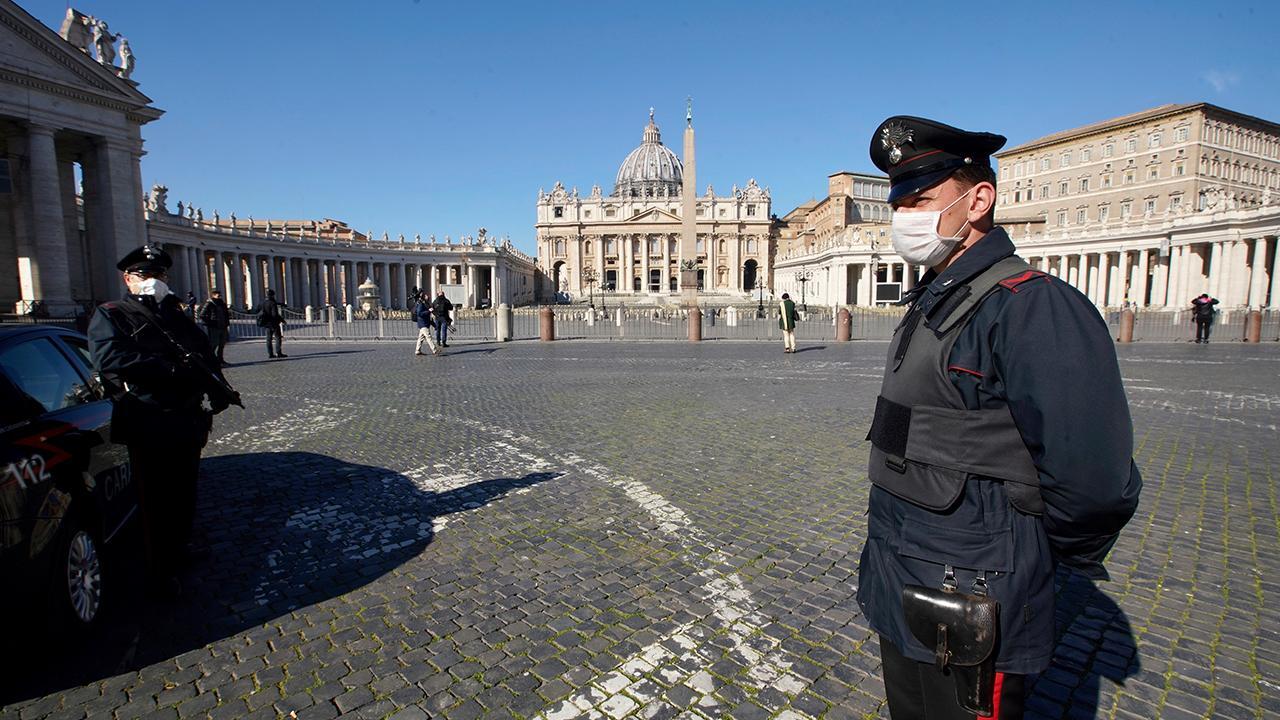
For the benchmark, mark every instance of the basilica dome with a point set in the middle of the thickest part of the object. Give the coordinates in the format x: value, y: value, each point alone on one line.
x: 651, y: 170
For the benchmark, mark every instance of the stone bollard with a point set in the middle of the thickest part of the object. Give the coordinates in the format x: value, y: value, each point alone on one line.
x: 844, y: 325
x: 331, y: 314
x: 1126, y: 325
x: 309, y: 314
x: 591, y: 317
x: 351, y: 314
x: 503, y: 320
x: 1253, y: 326
x: 695, y: 324
x: 382, y: 322
x: 546, y: 324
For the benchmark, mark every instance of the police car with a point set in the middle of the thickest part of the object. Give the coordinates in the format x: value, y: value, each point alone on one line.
x: 65, y: 488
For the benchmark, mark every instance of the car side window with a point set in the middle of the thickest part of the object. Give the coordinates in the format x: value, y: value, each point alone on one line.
x: 80, y: 349
x: 40, y: 370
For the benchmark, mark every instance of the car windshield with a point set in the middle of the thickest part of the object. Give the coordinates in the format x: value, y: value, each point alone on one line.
x: 41, y: 371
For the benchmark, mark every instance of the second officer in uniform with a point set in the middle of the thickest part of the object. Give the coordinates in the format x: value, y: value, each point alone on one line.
x: 161, y: 369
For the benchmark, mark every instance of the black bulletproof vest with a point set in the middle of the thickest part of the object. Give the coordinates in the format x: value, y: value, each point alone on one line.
x: 925, y: 444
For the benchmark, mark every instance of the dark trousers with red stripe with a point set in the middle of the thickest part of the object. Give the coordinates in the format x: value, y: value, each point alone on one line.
x: 917, y: 691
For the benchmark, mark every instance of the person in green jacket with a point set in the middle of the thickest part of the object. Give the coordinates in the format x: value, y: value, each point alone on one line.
x: 787, y: 322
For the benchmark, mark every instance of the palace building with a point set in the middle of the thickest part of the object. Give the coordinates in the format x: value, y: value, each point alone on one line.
x: 1148, y: 209
x: 629, y: 241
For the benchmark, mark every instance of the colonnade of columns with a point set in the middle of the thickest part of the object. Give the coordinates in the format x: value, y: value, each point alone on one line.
x: 1239, y: 272
x: 244, y: 278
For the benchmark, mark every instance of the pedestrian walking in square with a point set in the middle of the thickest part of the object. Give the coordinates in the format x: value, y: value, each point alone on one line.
x: 272, y: 318
x: 1202, y: 313
x: 787, y: 319
x: 426, y: 324
x: 216, y: 319
x: 441, y: 308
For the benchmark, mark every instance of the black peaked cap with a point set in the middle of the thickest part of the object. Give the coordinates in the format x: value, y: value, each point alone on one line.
x: 918, y: 153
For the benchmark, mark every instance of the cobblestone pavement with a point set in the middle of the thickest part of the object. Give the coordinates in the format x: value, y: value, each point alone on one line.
x: 647, y: 530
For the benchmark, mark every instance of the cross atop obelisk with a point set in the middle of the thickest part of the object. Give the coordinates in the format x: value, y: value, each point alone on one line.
x: 689, y: 218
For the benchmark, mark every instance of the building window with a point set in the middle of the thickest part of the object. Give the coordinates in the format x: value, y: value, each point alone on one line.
x: 1084, y: 184
x: 1044, y: 163
x: 1062, y: 218
x: 1104, y: 212
x: 1065, y: 160
x: 700, y: 245
x: 559, y: 211
x: 1082, y: 215
x: 1084, y: 155
x: 1017, y: 196
x: 1044, y: 192
x: 1004, y: 198
x: 1106, y: 181
x: 609, y: 247
x: 559, y: 248
x: 702, y: 212
x: 1175, y: 202
x: 1062, y: 188
x: 1126, y: 209
x: 1149, y: 206
x: 1179, y: 169
x: 1153, y: 173
x: 1108, y: 150
x: 1131, y: 145
x: 1154, y: 140
x: 1181, y: 134
x: 751, y: 211
x: 751, y: 245
x: 1129, y: 177
x: 610, y: 212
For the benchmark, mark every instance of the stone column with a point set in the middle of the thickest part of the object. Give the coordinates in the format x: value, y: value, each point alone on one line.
x: 49, y: 278
x: 1275, y: 273
x: 599, y: 245
x: 1160, y: 281
x: 644, y: 264
x: 237, y: 283
x: 1258, y: 286
x: 1238, y: 291
x: 255, y: 280
x: 1104, y: 271
x: 1124, y: 287
x: 736, y: 264
x: 1215, y: 269
x: 1139, y: 294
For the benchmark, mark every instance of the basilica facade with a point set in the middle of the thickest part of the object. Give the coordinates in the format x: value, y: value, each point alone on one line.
x: 630, y: 241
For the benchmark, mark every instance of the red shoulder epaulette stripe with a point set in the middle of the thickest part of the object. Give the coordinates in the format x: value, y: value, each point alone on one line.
x: 1012, y: 283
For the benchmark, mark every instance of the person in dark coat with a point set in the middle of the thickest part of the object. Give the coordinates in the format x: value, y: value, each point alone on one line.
x: 422, y: 315
x: 787, y: 319
x: 1203, y: 312
x: 440, y: 308
x: 272, y: 318
x: 137, y: 345
x: 1001, y: 446
x: 216, y: 319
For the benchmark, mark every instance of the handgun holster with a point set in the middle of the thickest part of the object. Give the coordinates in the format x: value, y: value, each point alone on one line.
x: 961, y: 628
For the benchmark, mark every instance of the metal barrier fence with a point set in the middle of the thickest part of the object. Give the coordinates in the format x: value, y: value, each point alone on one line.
x: 577, y: 322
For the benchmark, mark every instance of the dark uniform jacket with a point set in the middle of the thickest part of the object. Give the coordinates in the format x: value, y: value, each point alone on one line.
x: 1042, y: 350
x: 215, y: 313
x: 1202, y: 309
x: 164, y: 398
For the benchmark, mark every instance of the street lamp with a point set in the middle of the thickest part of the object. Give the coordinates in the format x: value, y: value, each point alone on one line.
x: 589, y: 276
x: 803, y: 276
x: 760, y: 306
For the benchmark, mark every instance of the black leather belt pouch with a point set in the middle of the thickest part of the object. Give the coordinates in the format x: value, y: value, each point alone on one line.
x: 961, y: 628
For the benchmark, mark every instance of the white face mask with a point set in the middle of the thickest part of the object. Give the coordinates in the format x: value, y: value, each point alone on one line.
x: 154, y: 286
x: 916, y: 238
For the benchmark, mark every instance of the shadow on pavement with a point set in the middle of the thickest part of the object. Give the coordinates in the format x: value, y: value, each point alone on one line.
x: 284, y: 530
x: 294, y: 356
x: 1095, y: 643
x: 807, y: 348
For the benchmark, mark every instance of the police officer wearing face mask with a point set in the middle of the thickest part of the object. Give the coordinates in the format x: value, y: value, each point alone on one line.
x: 1001, y: 443
x: 158, y: 367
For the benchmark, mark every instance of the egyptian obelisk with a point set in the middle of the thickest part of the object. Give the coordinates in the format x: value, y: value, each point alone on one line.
x: 689, y: 219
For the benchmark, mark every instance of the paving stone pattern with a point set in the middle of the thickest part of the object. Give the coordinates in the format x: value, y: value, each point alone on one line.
x: 648, y: 530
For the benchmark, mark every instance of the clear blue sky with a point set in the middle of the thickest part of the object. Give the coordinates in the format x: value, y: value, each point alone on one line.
x: 441, y: 117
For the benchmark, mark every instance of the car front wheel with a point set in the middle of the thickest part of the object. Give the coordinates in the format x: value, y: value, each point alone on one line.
x: 78, y: 579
